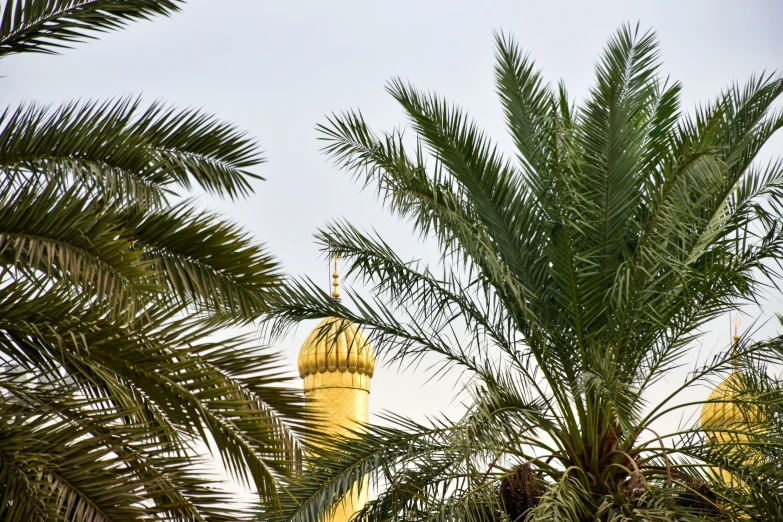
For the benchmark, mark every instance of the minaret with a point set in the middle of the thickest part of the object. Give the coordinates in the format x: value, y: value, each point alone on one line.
x: 336, y: 363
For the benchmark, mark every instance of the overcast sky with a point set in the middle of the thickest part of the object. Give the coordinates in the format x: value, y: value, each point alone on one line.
x: 278, y: 68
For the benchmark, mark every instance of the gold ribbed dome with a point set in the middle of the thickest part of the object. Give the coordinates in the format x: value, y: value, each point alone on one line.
x: 722, y: 413
x: 336, y: 354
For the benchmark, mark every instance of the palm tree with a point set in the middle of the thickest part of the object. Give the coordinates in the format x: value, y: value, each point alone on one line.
x: 574, y: 277
x: 112, y: 288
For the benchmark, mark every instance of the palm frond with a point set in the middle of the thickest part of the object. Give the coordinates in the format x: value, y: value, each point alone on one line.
x: 73, y: 242
x: 119, y: 150
x: 529, y: 106
x: 49, y: 26
x: 208, y: 263
x: 80, y: 462
x: 178, y: 381
x: 111, y: 298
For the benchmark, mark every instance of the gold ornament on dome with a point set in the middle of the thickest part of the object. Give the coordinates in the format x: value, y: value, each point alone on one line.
x: 336, y: 282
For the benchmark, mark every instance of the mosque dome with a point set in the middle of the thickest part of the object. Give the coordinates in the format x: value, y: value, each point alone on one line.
x: 720, y: 411
x: 721, y: 414
x: 725, y: 422
x: 336, y: 354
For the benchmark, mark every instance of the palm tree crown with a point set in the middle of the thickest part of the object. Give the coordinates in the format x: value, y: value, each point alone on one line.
x: 111, y: 288
x: 575, y: 276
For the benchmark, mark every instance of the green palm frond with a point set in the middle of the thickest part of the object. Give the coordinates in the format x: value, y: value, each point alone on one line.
x: 49, y: 26
x: 404, y: 182
x: 406, y: 284
x: 486, y: 180
x: 74, y: 242
x: 339, y: 464
x: 208, y: 262
x: 114, y: 368
x: 124, y: 258
x: 530, y: 109
x: 177, y: 380
x: 119, y: 150
x: 76, y: 462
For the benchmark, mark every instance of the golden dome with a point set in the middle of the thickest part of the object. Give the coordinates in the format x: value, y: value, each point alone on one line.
x: 722, y: 413
x: 336, y: 354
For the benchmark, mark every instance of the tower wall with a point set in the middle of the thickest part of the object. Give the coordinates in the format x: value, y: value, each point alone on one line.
x: 340, y: 408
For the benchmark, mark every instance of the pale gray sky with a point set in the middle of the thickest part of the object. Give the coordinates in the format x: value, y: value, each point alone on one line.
x: 277, y: 68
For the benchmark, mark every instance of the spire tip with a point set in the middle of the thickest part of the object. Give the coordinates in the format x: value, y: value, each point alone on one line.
x: 336, y: 282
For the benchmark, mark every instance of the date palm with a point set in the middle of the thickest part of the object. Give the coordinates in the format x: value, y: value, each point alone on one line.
x: 112, y: 287
x: 576, y: 273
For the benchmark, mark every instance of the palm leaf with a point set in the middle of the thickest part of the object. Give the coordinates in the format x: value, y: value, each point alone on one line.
x: 48, y: 26
x: 116, y: 149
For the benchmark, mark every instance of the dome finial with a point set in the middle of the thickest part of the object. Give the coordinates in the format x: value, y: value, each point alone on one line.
x: 336, y: 282
x: 737, y: 322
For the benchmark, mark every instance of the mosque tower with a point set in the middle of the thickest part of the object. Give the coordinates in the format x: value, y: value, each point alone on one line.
x: 721, y: 414
x: 336, y: 363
